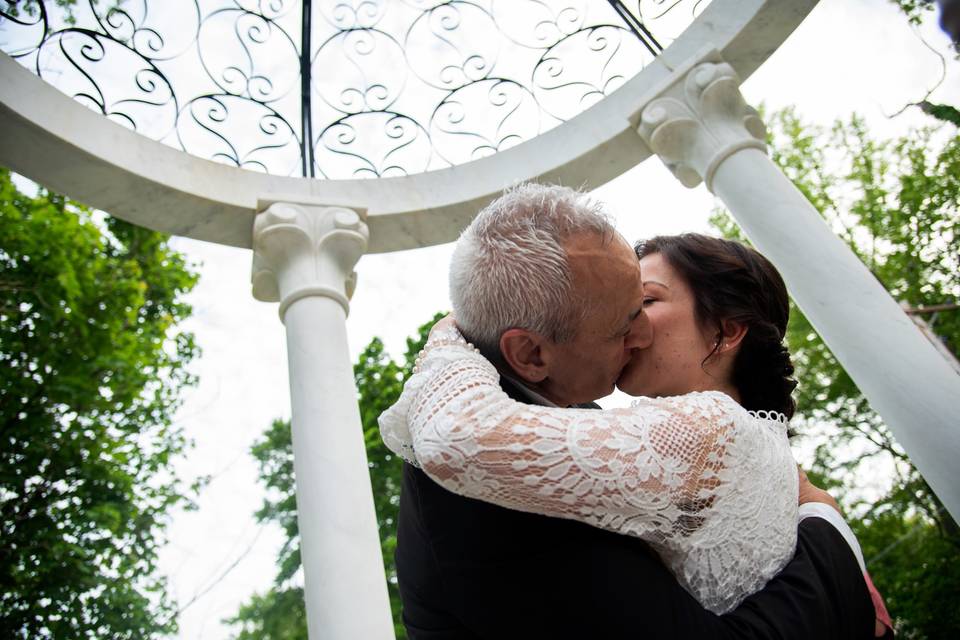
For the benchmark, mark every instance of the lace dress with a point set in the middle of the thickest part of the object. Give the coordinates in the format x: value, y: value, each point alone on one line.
x: 710, y: 486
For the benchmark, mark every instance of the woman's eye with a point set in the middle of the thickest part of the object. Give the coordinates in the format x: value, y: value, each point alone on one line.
x: 648, y: 301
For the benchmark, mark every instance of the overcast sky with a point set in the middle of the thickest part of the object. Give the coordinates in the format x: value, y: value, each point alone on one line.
x: 848, y: 56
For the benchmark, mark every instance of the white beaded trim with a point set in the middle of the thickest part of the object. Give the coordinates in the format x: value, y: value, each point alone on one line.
x: 441, y: 342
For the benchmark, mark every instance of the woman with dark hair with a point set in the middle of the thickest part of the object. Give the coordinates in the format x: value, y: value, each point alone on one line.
x: 719, y: 312
x: 699, y: 467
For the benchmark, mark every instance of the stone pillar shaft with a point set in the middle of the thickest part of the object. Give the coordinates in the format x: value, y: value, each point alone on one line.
x: 703, y: 130
x: 303, y: 258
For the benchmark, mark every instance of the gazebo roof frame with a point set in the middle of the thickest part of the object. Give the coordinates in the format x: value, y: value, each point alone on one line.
x: 61, y: 144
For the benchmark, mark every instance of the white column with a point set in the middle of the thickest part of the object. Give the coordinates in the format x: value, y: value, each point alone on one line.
x: 304, y: 257
x: 703, y: 130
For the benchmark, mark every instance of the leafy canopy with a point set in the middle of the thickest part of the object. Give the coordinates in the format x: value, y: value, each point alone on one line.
x: 91, y: 365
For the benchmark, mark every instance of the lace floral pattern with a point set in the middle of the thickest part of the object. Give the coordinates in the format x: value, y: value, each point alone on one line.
x: 711, y: 487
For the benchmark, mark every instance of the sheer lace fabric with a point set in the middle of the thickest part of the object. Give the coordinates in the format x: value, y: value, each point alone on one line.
x: 711, y: 487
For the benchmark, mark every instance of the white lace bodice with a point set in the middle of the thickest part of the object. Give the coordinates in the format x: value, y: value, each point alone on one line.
x: 711, y: 487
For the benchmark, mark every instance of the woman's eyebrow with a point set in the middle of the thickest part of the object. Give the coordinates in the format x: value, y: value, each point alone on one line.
x: 646, y: 282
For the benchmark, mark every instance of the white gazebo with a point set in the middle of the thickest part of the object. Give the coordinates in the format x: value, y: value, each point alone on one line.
x: 308, y: 192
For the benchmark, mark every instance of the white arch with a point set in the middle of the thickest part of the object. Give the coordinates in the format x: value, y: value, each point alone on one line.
x: 68, y: 148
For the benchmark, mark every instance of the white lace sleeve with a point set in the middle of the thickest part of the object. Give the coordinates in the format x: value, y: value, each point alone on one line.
x: 443, y: 347
x: 666, y: 470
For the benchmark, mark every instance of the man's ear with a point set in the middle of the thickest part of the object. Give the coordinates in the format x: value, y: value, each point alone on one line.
x: 521, y: 350
x: 732, y: 334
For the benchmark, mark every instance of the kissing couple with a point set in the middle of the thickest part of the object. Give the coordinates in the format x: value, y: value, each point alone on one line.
x: 528, y: 512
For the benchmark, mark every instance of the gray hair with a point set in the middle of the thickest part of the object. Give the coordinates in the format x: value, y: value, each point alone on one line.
x: 510, y: 268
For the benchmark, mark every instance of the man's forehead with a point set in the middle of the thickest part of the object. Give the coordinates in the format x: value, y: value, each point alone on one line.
x: 591, y: 258
x: 606, y: 277
x: 590, y: 243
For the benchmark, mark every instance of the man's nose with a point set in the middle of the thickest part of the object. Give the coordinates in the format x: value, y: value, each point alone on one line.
x: 641, y: 333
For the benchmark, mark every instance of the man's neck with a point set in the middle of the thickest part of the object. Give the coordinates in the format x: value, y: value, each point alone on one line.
x: 531, y: 394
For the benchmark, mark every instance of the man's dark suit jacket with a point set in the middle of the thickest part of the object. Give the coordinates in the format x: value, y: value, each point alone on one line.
x: 469, y: 569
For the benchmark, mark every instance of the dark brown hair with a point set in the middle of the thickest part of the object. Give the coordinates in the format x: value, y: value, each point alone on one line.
x: 731, y: 281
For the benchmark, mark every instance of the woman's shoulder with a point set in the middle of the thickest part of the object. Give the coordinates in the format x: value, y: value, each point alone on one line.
x: 716, y: 406
x: 713, y: 402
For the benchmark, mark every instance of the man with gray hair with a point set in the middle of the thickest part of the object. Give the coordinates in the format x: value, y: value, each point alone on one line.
x: 553, y: 295
x: 543, y: 284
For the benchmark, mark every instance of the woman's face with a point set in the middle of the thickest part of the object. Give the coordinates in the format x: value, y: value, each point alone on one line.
x: 672, y: 364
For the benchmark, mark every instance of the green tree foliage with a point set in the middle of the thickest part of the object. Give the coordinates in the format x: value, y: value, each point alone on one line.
x: 915, y: 10
x: 279, y: 613
x: 91, y: 365
x: 32, y: 7
x: 943, y: 112
x: 897, y: 205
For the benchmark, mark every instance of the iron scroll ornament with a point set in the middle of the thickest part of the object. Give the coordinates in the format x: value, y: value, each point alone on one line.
x: 343, y: 88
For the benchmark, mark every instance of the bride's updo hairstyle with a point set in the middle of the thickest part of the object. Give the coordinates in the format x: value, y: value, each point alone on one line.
x: 730, y: 281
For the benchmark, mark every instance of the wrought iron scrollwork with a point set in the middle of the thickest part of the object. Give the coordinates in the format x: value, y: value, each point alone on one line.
x: 208, y: 133
x: 139, y: 96
x: 373, y: 144
x: 452, y: 45
x: 585, y: 66
x: 482, y: 118
x: 371, y: 69
x: 391, y: 87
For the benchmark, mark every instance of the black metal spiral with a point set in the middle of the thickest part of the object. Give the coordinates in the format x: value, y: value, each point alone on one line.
x: 337, y: 88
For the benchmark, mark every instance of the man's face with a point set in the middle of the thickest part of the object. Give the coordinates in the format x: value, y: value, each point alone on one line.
x: 606, y: 280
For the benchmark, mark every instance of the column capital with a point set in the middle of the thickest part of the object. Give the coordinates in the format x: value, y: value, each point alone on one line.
x: 304, y: 250
x: 700, y: 121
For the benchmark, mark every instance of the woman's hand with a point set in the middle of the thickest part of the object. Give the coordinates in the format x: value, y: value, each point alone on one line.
x: 447, y: 322
x: 810, y: 493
